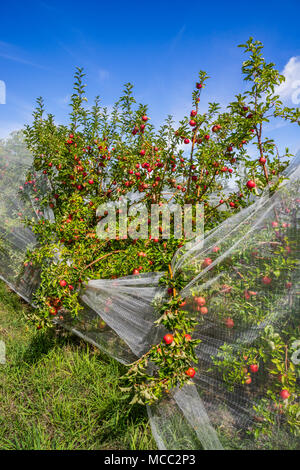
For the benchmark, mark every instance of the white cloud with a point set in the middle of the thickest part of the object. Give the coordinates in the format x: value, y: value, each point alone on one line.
x: 103, y: 74
x: 64, y: 101
x: 175, y: 41
x: 290, y: 89
x: 11, y: 52
x: 2, y: 92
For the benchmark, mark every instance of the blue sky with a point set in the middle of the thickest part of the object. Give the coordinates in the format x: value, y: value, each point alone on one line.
x: 159, y: 46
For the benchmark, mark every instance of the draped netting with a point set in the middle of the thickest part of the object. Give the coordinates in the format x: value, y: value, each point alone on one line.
x: 251, y: 292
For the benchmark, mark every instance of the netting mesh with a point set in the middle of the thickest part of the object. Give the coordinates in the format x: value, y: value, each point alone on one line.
x: 251, y: 292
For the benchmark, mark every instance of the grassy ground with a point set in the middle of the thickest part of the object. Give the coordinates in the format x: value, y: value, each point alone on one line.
x: 57, y: 392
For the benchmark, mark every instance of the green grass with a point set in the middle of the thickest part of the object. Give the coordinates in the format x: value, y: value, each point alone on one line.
x: 57, y: 392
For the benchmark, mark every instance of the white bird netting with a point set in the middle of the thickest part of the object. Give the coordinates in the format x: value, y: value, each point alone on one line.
x: 220, y: 410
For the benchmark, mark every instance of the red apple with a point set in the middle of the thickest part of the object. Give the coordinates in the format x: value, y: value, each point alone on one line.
x: 284, y: 394
x: 207, y: 262
x: 190, y: 372
x: 200, y: 301
x: 251, y: 184
x: 229, y: 323
x: 266, y: 280
x: 168, y: 338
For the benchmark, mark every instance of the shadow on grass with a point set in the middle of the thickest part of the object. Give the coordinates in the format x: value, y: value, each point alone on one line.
x: 41, y: 344
x: 10, y: 299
